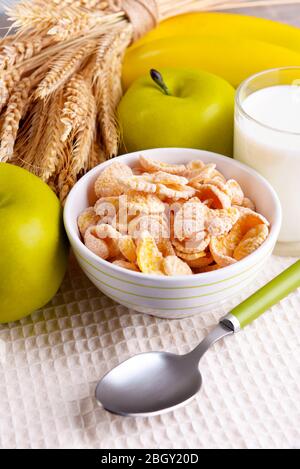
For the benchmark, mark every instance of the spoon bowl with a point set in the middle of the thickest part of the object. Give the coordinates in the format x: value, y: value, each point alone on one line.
x: 155, y: 382
x: 148, y: 383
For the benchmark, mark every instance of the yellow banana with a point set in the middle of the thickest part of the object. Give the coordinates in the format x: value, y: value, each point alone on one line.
x: 225, y: 24
x: 231, y: 58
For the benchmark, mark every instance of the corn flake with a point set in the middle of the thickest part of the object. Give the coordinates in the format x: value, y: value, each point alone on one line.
x: 173, y: 266
x: 144, y: 203
x: 107, y: 183
x: 166, y: 248
x: 126, y: 265
x: 170, y: 219
x: 86, y: 219
x: 195, y: 165
x: 223, y: 248
x: 189, y: 246
x: 153, y: 165
x: 149, y: 258
x: 251, y: 241
x: 137, y: 183
x: 234, y: 191
x: 95, y: 244
x: 220, y: 222
x: 175, y: 191
x: 167, y: 179
x: 248, y: 203
x: 128, y: 248
x: 111, y: 237
x: 206, y: 173
x: 189, y: 220
x: 211, y: 192
x: 201, y: 262
x: 190, y: 257
x: 154, y: 224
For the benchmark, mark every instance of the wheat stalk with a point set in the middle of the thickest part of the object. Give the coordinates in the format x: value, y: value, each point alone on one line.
x: 97, y: 154
x: 40, y: 113
x: 64, y: 180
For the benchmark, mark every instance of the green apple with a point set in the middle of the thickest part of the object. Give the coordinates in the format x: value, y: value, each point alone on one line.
x: 33, y: 245
x: 178, y: 108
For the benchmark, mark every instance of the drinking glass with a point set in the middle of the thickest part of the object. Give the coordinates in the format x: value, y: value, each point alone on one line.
x: 274, y: 153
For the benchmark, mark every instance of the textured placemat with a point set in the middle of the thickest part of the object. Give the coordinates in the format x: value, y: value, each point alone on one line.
x: 50, y: 363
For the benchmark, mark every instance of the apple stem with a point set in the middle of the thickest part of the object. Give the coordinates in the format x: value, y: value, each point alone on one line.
x: 158, y: 79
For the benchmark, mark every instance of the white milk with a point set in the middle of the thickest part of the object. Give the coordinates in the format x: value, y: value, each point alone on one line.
x: 274, y: 153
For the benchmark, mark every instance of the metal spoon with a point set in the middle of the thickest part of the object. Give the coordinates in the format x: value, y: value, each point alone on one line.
x: 156, y: 382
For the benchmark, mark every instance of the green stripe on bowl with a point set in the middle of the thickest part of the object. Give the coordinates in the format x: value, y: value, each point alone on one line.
x: 135, y: 305
x: 185, y: 298
x: 168, y: 288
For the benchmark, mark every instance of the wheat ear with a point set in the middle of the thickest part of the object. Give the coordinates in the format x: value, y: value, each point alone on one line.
x: 84, y: 139
x: 18, y: 52
x: 46, y: 14
x: 64, y: 66
x: 107, y: 85
x: 81, y: 149
x: 39, y: 14
x: 82, y: 23
x: 8, y: 81
x: 51, y: 146
x: 92, y: 5
x: 16, y: 109
x: 27, y: 15
x: 76, y: 104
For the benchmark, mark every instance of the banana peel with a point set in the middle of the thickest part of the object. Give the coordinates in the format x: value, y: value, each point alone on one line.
x: 228, y: 25
x: 232, y: 58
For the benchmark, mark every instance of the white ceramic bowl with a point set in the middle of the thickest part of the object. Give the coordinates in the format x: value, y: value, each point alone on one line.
x: 175, y: 297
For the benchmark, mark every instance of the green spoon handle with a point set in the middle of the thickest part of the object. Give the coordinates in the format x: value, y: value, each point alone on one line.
x: 265, y: 298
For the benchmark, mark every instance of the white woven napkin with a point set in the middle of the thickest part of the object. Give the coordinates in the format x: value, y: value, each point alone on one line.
x: 50, y: 363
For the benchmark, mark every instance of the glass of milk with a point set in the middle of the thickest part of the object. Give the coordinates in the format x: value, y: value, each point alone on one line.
x: 267, y: 138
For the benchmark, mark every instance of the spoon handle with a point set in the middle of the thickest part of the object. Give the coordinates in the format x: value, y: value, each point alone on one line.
x: 263, y: 299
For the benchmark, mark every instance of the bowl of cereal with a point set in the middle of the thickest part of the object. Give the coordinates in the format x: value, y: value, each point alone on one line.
x: 172, y: 232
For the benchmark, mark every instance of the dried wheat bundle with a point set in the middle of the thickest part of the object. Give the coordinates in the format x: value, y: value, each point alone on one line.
x: 60, y: 79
